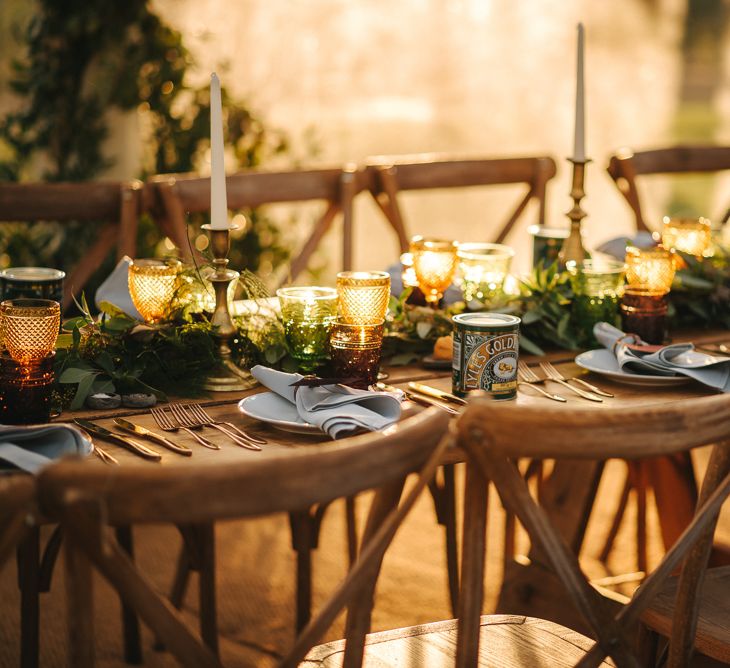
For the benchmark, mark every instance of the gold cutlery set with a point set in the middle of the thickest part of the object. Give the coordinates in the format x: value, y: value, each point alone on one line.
x: 529, y: 378
x: 188, y: 417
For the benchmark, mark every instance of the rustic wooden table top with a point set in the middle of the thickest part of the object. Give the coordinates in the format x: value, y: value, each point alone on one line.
x: 223, y: 406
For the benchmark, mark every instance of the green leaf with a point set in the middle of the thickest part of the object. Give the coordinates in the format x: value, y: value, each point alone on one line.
x: 532, y: 316
x: 401, y: 359
x: 529, y: 346
x: 75, y: 375
x: 563, y: 326
x: 83, y: 391
x: 423, y: 329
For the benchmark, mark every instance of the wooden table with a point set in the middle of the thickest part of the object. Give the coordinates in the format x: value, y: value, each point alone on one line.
x: 568, y: 494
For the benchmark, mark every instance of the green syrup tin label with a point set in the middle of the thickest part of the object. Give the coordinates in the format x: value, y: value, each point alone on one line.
x: 486, y: 348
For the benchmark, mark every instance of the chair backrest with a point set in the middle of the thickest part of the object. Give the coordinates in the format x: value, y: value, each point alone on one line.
x: 494, y: 436
x: 175, y: 195
x: 87, y: 498
x: 626, y: 165
x: 390, y: 175
x: 115, y: 206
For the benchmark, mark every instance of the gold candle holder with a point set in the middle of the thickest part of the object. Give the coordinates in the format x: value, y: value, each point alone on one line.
x: 227, y: 376
x: 152, y: 285
x: 434, y: 261
x: 363, y: 296
x: 688, y: 235
x: 572, y: 249
x: 30, y: 328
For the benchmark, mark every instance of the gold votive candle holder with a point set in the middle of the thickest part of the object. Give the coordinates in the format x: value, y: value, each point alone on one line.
x: 355, y: 352
x: 650, y: 270
x: 308, y: 314
x: 26, y: 390
x: 434, y: 261
x: 152, y: 286
x: 483, y: 268
x: 363, y: 296
x: 688, y: 235
x: 29, y: 328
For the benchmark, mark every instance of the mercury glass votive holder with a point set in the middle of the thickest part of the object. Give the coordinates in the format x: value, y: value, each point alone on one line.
x: 688, y: 235
x: 308, y: 314
x: 434, y: 261
x: 26, y: 390
x: 597, y: 289
x: 355, y: 353
x: 29, y: 328
x: 483, y: 268
x: 650, y: 270
x: 152, y: 286
x: 363, y: 296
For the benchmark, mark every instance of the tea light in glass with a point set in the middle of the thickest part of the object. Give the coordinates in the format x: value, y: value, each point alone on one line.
x: 152, y: 286
x: 363, y: 296
x: 30, y: 328
x: 649, y: 273
x: 308, y: 314
x: 483, y: 268
x: 355, y: 352
x: 597, y: 288
x: 434, y: 261
x: 688, y: 235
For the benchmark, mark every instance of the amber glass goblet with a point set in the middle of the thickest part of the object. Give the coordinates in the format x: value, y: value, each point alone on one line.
x: 363, y: 296
x: 29, y: 328
x: 434, y: 261
x: 152, y: 285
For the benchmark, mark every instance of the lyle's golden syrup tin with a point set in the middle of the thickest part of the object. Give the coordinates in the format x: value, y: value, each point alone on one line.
x: 486, y: 347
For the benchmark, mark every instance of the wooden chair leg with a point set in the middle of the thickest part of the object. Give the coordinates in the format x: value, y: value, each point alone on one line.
x: 28, y: 555
x: 638, y: 473
x: 130, y: 623
x: 647, y: 643
x: 80, y: 616
x: 616, y: 523
x: 208, y: 610
x: 450, y: 529
x: 301, y: 529
x: 351, y: 521
x: 473, y: 555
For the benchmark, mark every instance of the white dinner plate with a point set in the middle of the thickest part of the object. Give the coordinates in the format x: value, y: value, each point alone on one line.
x: 276, y: 411
x: 604, y: 362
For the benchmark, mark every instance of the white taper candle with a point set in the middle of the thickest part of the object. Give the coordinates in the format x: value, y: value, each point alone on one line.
x: 218, y: 204
x: 579, y: 145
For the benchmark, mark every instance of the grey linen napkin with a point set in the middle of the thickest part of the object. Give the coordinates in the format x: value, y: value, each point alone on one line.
x: 336, y: 409
x: 33, y: 447
x: 678, y: 359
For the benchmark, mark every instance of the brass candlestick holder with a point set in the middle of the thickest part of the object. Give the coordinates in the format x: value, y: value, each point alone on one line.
x: 573, y: 249
x: 227, y: 376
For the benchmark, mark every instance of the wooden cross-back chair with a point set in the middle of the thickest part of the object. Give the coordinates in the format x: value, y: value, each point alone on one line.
x: 626, y: 166
x: 114, y: 207
x: 390, y: 175
x: 493, y: 437
x: 17, y: 512
x: 87, y: 499
x: 175, y: 195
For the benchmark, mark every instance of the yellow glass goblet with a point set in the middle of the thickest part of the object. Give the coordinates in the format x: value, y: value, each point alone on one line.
x: 689, y: 235
x: 30, y: 328
x: 650, y: 270
x: 363, y: 296
x: 152, y: 285
x: 434, y: 261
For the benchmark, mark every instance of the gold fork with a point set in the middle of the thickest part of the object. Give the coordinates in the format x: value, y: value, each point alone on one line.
x: 553, y: 374
x: 528, y: 377
x: 586, y: 384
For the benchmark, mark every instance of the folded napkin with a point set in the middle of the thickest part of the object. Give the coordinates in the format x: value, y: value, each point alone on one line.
x: 115, y: 289
x: 336, y: 409
x: 678, y: 359
x: 31, y: 448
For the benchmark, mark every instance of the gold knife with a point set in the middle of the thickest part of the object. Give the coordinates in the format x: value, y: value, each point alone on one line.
x: 128, y: 443
x: 436, y: 394
x: 416, y: 398
x: 157, y: 438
